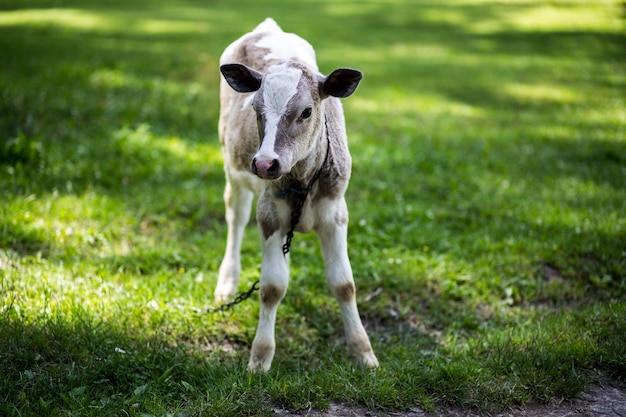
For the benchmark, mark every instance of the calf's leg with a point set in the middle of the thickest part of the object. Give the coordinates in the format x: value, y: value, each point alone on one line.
x: 333, y: 239
x: 273, y: 286
x: 238, y: 200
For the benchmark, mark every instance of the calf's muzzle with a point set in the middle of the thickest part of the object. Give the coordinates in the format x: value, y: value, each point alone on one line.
x: 266, y: 168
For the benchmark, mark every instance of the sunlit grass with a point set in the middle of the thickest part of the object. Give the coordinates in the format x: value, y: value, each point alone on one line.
x: 570, y: 16
x: 67, y: 18
x: 94, y: 21
x: 542, y: 92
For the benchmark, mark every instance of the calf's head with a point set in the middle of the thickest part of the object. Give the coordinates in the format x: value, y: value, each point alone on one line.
x: 288, y: 105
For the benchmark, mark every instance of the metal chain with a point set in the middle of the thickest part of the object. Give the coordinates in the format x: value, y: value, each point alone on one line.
x: 240, y: 298
x: 295, y: 219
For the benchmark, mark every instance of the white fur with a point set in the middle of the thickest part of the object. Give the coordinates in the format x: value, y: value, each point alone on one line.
x: 281, y: 84
x: 247, y: 102
x: 285, y: 46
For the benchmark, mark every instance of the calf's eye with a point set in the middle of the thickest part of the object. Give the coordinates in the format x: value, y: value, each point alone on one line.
x: 306, y: 113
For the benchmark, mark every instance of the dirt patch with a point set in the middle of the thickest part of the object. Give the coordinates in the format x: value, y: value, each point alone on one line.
x: 601, y: 401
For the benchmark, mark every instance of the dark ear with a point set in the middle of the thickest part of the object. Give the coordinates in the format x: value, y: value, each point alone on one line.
x: 341, y: 82
x: 241, y: 78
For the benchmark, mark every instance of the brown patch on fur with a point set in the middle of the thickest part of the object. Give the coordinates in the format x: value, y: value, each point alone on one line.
x: 271, y: 294
x: 266, y: 217
x: 269, y: 225
x: 345, y: 292
x: 251, y: 55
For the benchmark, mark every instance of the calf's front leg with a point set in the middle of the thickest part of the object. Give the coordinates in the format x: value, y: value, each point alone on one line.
x: 273, y: 286
x: 333, y: 239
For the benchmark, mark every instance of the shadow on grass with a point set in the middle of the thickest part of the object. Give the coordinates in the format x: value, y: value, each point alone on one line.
x: 71, y: 363
x: 81, y: 363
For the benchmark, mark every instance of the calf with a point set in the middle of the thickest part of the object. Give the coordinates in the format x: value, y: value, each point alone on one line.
x: 283, y: 137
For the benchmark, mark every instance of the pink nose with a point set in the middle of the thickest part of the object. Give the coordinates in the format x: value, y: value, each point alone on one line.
x: 266, y: 168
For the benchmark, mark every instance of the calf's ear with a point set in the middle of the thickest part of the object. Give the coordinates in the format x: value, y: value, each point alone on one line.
x: 241, y: 78
x: 341, y: 82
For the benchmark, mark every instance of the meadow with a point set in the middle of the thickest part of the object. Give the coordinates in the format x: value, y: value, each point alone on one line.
x: 487, y: 228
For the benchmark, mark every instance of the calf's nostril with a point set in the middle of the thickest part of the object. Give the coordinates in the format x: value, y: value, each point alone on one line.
x: 274, y: 167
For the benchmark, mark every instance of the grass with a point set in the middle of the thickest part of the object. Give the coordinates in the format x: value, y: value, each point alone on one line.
x: 487, y: 231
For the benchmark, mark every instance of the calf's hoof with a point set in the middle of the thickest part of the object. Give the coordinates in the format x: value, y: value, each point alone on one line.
x: 368, y: 359
x: 261, y: 357
x: 362, y: 351
x: 225, y: 289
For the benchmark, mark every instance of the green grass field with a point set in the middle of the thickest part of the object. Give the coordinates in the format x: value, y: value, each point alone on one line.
x: 488, y: 201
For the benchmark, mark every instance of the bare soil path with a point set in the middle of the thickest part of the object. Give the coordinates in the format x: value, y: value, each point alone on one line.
x: 598, y: 401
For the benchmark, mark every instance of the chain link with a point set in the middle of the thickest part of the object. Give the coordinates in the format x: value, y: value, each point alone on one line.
x: 295, y: 219
x: 240, y: 298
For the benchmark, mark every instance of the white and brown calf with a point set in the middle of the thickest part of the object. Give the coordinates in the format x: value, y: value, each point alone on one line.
x: 282, y: 128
